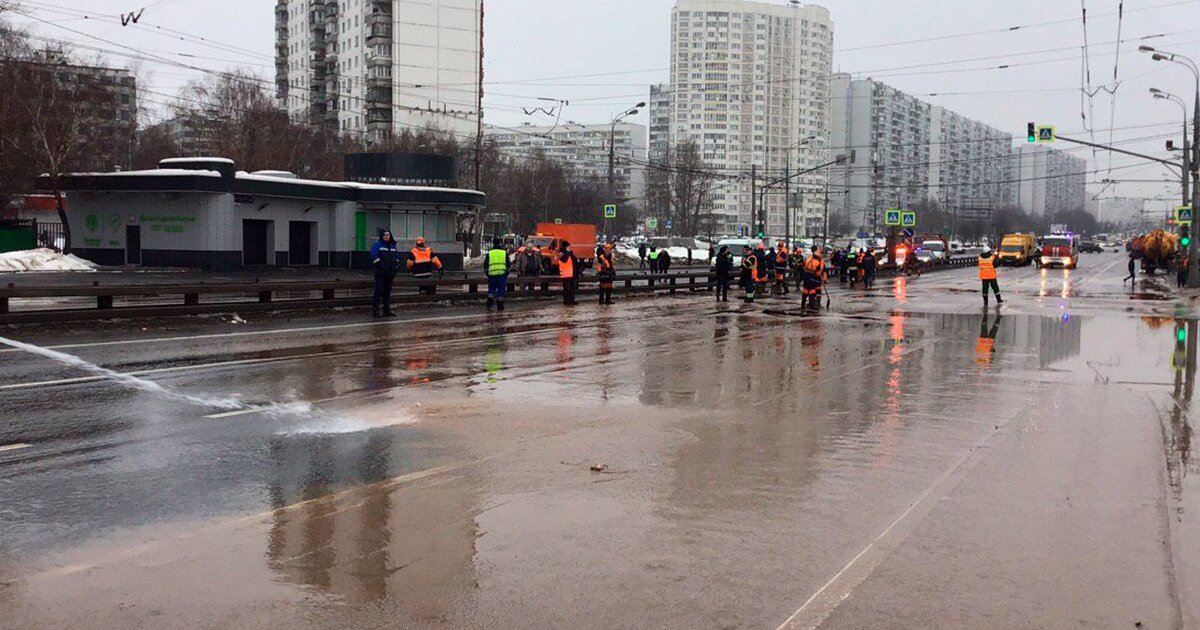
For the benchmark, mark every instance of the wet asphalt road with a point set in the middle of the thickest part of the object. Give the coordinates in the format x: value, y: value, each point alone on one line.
x: 886, y: 464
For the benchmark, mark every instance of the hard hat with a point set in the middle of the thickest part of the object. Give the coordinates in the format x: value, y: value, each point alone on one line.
x: 987, y: 251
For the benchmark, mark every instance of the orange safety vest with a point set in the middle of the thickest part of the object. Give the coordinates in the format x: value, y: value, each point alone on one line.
x: 815, y: 265
x: 987, y: 268
x: 566, y: 268
x: 751, y: 262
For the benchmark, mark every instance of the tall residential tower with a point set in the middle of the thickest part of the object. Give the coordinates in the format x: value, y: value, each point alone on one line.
x: 750, y: 87
x: 378, y: 67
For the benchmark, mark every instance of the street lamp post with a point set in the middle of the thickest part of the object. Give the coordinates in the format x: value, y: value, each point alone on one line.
x: 612, y: 147
x: 1186, y: 173
x: 1193, y: 279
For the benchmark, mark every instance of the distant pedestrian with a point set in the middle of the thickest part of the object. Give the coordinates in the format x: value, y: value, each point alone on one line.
x: 1132, y: 270
x: 869, y: 265
x: 664, y: 261
x: 386, y: 259
x: 712, y: 253
x: 642, y: 255
x: 723, y: 269
x: 844, y: 260
x: 567, y: 263
x: 987, y: 276
x: 1182, y: 273
x: 496, y: 265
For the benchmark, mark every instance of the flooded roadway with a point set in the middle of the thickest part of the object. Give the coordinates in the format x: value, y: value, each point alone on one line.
x: 905, y: 460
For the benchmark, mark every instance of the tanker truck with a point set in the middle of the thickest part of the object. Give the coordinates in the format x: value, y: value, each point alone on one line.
x: 1158, y: 250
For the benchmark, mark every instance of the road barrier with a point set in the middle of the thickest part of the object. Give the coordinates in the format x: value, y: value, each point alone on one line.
x: 48, y: 303
x: 99, y: 301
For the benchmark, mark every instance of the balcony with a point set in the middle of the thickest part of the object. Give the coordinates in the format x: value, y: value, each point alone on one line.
x: 379, y: 81
x: 379, y: 115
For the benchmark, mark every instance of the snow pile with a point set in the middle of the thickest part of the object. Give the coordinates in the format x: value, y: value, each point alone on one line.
x: 43, y: 260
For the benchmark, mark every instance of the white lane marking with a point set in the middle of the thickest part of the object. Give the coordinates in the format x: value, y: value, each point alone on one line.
x: 177, y: 368
x: 817, y: 608
x: 253, y: 333
x: 13, y: 447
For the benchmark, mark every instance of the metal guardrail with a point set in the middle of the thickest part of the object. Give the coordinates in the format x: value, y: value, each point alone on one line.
x: 186, y: 298
x: 293, y: 294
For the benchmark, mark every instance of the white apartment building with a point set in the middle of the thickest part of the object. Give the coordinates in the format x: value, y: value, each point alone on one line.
x: 968, y: 162
x: 659, y: 111
x: 1047, y: 180
x: 586, y: 149
x: 376, y: 67
x: 750, y: 87
x: 889, y: 133
x: 910, y: 152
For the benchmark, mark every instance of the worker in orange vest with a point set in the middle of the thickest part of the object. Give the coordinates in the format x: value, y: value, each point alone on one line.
x: 567, y: 263
x: 781, y: 269
x: 749, y: 272
x: 606, y: 271
x: 422, y: 264
x: 987, y: 275
x: 814, y: 280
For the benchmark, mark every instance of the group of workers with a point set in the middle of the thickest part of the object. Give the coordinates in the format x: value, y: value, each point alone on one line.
x: 385, y: 257
x: 760, y: 267
x: 777, y: 266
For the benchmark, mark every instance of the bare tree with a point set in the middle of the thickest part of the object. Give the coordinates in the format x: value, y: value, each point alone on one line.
x: 689, y: 184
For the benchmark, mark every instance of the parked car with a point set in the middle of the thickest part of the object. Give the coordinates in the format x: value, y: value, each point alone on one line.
x: 1091, y: 247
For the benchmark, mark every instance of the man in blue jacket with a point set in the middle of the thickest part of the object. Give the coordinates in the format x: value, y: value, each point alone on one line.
x: 386, y: 259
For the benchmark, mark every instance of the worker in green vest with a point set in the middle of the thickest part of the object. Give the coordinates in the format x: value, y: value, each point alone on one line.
x: 496, y: 265
x: 653, y: 257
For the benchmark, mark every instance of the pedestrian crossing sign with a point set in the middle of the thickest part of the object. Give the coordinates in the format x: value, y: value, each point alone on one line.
x: 1045, y: 133
x: 891, y: 217
x: 1184, y: 215
x: 908, y: 219
x: 652, y: 223
x: 610, y: 211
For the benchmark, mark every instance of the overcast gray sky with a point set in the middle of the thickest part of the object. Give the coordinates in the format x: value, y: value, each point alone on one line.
x: 540, y: 48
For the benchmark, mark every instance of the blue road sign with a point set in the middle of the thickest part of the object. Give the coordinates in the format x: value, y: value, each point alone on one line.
x: 908, y: 219
x: 610, y: 211
x: 891, y: 217
x: 1184, y: 214
x: 908, y: 233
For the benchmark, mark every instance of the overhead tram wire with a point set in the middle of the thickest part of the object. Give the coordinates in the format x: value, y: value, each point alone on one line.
x: 172, y: 62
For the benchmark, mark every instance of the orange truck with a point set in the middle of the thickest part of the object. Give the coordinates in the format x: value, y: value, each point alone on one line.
x: 581, y: 236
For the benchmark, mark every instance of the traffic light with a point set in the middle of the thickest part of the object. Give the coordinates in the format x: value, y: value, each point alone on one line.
x: 1185, y: 235
x: 1181, y: 333
x: 1031, y: 133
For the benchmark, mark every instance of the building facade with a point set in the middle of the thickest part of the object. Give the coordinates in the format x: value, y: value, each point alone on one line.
x: 204, y: 213
x: 586, y: 149
x: 968, y: 163
x: 750, y: 88
x: 1045, y: 181
x: 888, y: 132
x: 378, y: 67
x: 910, y: 152
x: 659, y: 112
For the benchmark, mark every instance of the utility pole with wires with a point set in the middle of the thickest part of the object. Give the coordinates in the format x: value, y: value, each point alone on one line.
x: 479, y: 105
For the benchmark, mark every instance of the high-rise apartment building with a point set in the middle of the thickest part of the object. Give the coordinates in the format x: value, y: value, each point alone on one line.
x: 586, y: 149
x: 888, y: 132
x: 1044, y: 181
x: 909, y: 152
x: 968, y: 162
x: 659, y: 111
x: 377, y: 67
x: 750, y: 87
